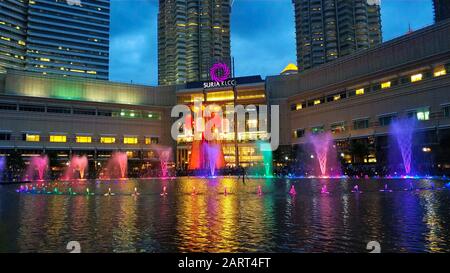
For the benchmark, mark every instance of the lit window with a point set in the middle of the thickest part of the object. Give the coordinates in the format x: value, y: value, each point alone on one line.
x: 440, y: 72
x: 107, y: 140
x: 299, y: 133
x: 298, y: 107
x: 84, y: 139
x: 58, y: 138
x: 385, y: 85
x: 151, y: 140
x: 359, y: 91
x: 44, y: 59
x: 32, y: 138
x: 423, y: 114
x: 336, y: 97
x: 416, y: 77
x: 316, y: 102
x: 337, y: 128
x: 317, y: 129
x: 130, y: 140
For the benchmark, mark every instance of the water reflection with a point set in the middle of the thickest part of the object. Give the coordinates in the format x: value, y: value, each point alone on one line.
x: 227, y: 215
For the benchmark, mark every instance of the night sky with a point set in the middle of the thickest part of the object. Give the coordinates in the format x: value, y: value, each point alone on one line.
x: 262, y: 35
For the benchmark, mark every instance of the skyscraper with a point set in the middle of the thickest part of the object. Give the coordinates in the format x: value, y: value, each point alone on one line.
x: 192, y: 36
x: 441, y: 10
x: 329, y: 29
x: 67, y: 37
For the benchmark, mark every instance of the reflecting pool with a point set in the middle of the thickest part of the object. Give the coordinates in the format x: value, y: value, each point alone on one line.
x: 226, y: 215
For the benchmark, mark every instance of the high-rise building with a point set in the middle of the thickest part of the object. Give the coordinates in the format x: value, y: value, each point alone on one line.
x: 329, y: 29
x: 67, y: 37
x: 13, y: 14
x: 192, y: 36
x: 441, y: 10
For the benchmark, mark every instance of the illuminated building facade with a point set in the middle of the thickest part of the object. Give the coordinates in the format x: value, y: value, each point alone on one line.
x: 329, y: 29
x: 239, y: 148
x: 441, y: 10
x: 192, y: 35
x: 63, y: 116
x: 55, y: 37
x: 355, y: 98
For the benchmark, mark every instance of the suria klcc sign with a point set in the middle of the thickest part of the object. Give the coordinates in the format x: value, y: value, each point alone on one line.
x: 220, y: 73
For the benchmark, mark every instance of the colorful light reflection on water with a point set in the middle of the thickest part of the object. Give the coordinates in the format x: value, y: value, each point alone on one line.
x: 239, y: 221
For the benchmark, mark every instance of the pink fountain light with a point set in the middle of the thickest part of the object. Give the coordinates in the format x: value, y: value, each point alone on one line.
x: 38, y: 166
x: 78, y: 165
x: 117, y: 166
x: 164, y: 154
x: 321, y: 143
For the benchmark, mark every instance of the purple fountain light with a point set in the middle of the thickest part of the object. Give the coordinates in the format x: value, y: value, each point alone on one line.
x: 78, y: 164
x: 402, y: 130
x: 321, y: 143
x: 2, y: 166
x: 213, y: 153
x: 38, y: 166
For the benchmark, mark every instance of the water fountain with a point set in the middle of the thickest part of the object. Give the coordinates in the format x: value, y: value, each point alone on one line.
x: 117, y: 166
x: 322, y: 145
x: 266, y: 152
x: 2, y: 167
x: 213, y: 152
x: 402, y: 131
x: 165, y: 155
x: 37, y: 167
x: 77, y: 164
x: 206, y: 156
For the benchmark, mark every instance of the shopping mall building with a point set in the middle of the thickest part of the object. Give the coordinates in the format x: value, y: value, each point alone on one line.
x: 355, y: 98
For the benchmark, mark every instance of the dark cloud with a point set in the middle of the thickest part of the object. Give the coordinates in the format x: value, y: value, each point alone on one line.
x: 262, y: 35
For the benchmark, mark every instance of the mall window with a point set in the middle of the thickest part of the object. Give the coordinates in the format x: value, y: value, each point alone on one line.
x: 105, y: 113
x: 420, y: 113
x: 84, y: 139
x: 338, y: 127
x: 317, y: 129
x: 151, y: 140
x: 5, y: 136
x: 359, y: 91
x: 58, y: 138
x: 447, y: 111
x: 416, y: 77
x: 107, y: 140
x: 439, y: 71
x: 299, y: 133
x: 386, y: 120
x: 8, y: 106
x: 84, y: 111
x: 31, y: 137
x: 361, y: 124
x: 32, y: 108
x: 130, y: 140
x: 385, y: 85
x: 58, y: 110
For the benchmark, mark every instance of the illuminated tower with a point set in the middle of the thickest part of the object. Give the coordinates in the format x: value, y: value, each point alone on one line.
x: 192, y: 35
x: 329, y: 29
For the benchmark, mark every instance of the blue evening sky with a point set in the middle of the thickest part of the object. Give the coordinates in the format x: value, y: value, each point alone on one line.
x: 262, y: 35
